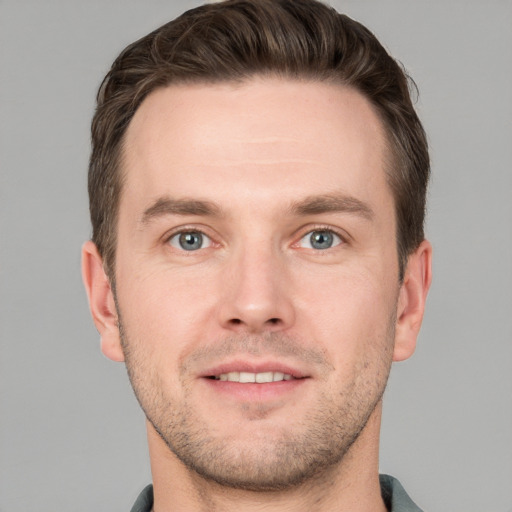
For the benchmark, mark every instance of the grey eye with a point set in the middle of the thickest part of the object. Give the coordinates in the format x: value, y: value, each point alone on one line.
x: 190, y: 241
x: 320, y: 240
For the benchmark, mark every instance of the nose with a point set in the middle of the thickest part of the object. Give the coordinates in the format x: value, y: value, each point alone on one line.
x: 257, y: 294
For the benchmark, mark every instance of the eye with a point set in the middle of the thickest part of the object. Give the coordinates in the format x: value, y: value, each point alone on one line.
x: 320, y: 239
x: 190, y: 241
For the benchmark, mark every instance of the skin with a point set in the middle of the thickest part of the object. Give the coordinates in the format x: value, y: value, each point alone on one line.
x: 257, y: 168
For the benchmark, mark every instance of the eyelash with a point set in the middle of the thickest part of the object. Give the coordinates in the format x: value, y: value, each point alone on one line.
x: 310, y: 230
x: 184, y: 231
x: 318, y: 228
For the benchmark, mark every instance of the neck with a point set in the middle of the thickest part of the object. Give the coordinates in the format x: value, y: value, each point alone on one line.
x: 352, y: 485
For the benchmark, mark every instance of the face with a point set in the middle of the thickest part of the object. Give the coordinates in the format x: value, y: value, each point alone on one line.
x: 257, y: 275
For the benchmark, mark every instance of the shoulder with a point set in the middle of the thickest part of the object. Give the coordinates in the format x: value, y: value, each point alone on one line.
x: 395, y: 497
x: 144, y: 502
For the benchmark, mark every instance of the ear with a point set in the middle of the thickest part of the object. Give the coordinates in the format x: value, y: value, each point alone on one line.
x: 101, y: 302
x: 411, y: 301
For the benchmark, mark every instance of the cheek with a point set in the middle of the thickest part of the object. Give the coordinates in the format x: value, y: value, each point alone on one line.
x: 167, y: 310
x: 351, y: 312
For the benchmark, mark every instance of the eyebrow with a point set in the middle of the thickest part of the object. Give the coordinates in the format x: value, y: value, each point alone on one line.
x: 169, y: 206
x: 332, y: 203
x: 313, y: 205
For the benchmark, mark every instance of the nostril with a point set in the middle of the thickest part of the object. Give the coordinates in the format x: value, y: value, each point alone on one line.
x: 254, y: 322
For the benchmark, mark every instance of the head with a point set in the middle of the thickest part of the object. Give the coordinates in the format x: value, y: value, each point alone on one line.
x: 233, y: 41
x: 257, y: 188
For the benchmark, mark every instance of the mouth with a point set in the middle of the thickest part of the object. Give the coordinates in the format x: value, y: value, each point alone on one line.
x: 254, y: 372
x: 253, y: 378
x: 254, y: 381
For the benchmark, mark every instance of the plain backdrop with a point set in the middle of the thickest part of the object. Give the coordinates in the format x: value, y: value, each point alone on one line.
x: 71, y: 434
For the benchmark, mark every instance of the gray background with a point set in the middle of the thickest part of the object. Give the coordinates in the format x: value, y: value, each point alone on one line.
x: 72, y: 436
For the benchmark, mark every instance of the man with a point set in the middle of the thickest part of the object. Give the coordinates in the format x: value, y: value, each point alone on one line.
x: 257, y: 191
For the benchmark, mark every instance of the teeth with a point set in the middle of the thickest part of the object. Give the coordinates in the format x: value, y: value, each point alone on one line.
x: 264, y: 377
x: 247, y: 377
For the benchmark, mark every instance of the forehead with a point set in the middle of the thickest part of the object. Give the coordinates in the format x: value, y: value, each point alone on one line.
x: 250, y: 137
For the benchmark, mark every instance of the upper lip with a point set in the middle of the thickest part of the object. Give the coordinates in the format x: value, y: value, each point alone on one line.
x: 253, y: 367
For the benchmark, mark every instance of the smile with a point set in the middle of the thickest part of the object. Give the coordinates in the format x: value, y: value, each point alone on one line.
x: 256, y: 382
x: 248, y: 377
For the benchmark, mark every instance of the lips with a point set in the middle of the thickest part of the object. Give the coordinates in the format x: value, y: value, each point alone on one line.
x: 247, y: 373
x: 249, y: 377
x: 256, y: 382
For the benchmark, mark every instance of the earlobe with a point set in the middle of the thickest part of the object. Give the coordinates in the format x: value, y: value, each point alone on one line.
x: 101, y: 301
x: 411, y: 302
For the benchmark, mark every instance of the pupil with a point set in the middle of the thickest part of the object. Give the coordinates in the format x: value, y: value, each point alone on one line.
x: 321, y: 239
x: 191, y: 241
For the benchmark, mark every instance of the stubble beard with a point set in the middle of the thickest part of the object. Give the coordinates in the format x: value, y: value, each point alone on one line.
x: 272, y: 460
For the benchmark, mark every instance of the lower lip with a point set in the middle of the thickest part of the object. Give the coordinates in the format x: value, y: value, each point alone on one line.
x: 254, y: 391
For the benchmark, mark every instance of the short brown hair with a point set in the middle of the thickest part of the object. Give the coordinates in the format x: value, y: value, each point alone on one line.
x: 233, y: 41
